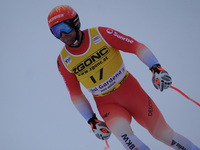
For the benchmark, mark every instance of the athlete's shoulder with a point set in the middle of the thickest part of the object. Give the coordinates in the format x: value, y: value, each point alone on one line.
x: 59, y: 58
x: 98, y: 28
x: 107, y: 32
x: 104, y: 30
x: 63, y: 49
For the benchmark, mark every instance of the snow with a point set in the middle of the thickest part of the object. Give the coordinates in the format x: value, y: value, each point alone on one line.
x: 35, y: 108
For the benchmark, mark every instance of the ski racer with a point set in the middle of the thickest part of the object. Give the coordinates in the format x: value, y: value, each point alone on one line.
x: 92, y: 57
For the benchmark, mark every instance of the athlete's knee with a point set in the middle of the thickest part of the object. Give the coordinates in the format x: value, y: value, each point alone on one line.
x: 119, y: 126
x: 164, y: 136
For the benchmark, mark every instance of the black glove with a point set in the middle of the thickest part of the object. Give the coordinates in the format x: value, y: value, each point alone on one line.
x: 161, y: 79
x: 99, y: 128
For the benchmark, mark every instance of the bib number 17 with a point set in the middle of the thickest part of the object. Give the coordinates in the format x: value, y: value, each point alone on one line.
x: 100, y: 76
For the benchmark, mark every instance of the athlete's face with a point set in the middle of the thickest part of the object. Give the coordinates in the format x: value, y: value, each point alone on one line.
x: 68, y: 38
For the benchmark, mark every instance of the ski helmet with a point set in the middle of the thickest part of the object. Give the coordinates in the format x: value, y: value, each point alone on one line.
x: 62, y: 13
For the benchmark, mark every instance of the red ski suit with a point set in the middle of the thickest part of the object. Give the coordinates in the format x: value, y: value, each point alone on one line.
x: 122, y: 101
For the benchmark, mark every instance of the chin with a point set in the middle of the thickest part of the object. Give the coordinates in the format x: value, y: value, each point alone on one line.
x: 67, y: 43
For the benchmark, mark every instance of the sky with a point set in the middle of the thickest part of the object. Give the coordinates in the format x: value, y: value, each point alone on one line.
x: 35, y: 108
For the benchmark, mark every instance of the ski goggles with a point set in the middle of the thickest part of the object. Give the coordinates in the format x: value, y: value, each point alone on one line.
x: 59, y: 28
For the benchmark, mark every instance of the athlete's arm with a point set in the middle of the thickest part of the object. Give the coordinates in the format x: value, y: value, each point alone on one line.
x: 78, y: 98
x: 125, y: 43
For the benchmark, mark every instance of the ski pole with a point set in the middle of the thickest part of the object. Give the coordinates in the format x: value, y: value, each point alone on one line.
x: 107, y: 145
x: 176, y: 89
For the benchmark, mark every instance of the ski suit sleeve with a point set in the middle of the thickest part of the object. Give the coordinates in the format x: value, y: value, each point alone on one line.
x: 78, y: 98
x: 125, y: 43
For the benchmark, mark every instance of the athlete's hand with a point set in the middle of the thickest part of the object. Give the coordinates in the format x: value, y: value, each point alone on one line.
x: 161, y: 79
x: 99, y: 128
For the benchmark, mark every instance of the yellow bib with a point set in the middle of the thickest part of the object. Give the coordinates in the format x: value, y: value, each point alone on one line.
x: 100, y: 69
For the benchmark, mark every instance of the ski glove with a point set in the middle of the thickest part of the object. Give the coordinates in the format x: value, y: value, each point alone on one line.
x: 161, y: 79
x: 99, y: 128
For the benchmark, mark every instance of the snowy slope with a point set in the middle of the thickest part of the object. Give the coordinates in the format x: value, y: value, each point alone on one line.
x: 35, y: 108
